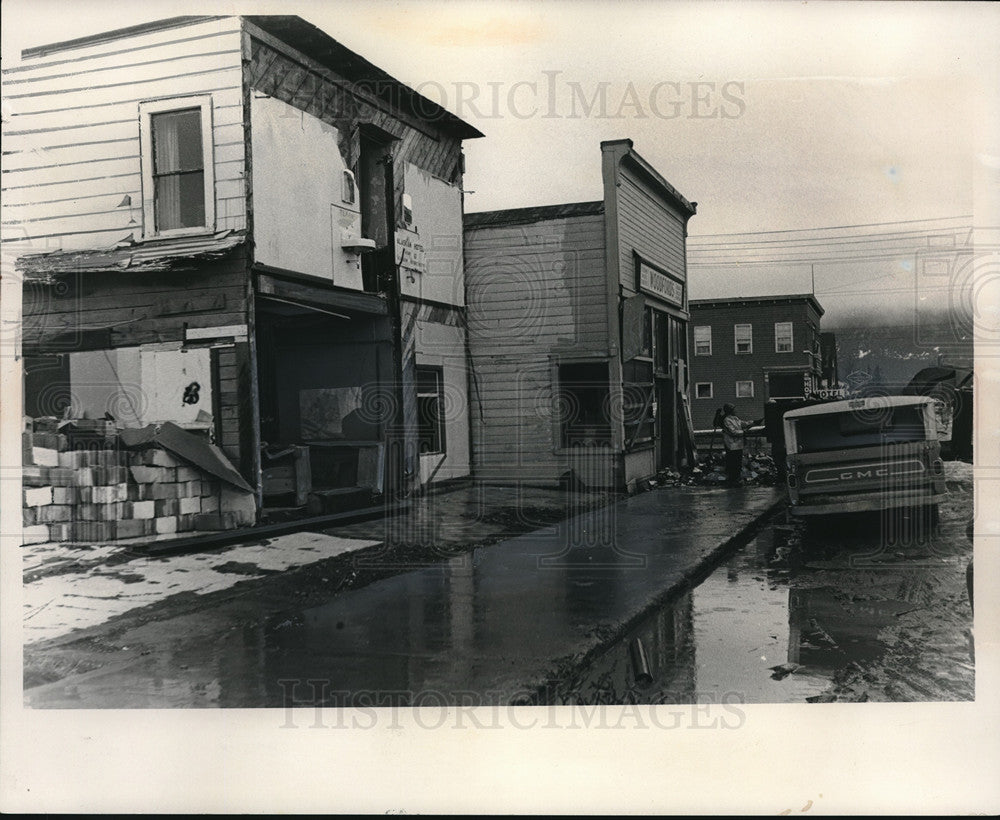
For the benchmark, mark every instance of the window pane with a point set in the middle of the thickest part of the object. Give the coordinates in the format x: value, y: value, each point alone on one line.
x: 430, y: 411
x: 177, y: 141
x: 743, y: 334
x: 855, y: 429
x: 179, y: 200
x: 783, y: 337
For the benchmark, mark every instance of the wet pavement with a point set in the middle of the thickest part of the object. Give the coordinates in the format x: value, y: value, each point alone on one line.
x: 499, y: 624
x: 871, y: 608
x: 680, y: 595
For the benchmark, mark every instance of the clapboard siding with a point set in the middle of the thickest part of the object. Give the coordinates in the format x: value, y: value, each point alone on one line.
x: 650, y: 226
x: 109, y: 71
x: 72, y: 138
x: 227, y: 109
x: 533, y: 292
x: 82, y: 57
x: 206, y: 79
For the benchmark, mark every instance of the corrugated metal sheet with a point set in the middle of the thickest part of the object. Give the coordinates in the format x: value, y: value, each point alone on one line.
x: 158, y: 255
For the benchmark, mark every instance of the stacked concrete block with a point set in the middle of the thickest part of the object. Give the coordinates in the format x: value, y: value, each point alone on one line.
x: 102, y: 493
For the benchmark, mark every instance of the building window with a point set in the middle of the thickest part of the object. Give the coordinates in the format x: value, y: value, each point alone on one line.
x: 582, y: 404
x: 638, y: 406
x: 703, y: 390
x: 744, y: 338
x: 744, y: 390
x: 177, y: 169
x: 348, y: 188
x: 703, y: 340
x: 430, y: 410
x: 783, y: 337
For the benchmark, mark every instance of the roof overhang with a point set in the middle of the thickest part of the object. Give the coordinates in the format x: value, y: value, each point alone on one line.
x: 181, y: 253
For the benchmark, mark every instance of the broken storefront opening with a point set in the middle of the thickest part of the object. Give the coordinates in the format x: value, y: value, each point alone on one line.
x: 327, y: 403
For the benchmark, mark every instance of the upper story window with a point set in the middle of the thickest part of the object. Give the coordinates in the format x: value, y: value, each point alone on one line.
x: 703, y: 340
x: 348, y: 188
x: 744, y: 338
x: 783, y: 337
x: 177, y: 169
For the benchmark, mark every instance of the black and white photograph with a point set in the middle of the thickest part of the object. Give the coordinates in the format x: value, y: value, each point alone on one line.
x: 525, y: 384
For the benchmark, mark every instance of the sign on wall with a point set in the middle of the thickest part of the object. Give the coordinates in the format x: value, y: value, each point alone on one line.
x: 660, y: 284
x: 410, y: 252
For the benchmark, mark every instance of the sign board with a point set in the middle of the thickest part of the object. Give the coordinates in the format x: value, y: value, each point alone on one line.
x: 660, y: 284
x: 410, y: 252
x: 831, y: 393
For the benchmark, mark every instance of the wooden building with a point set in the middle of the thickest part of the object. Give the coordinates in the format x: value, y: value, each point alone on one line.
x: 577, y: 332
x: 241, y: 226
x: 745, y: 351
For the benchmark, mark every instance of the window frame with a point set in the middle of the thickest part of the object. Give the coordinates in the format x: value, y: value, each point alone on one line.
x: 791, y: 337
x: 442, y: 427
x: 736, y: 339
x: 695, y: 339
x: 751, y: 395
x: 165, y: 106
x: 711, y: 391
x: 603, y: 433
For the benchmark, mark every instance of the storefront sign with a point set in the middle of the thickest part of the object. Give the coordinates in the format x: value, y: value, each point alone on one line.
x: 659, y: 284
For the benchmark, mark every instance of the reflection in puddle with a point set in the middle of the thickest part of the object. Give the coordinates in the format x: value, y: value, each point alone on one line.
x: 747, y: 633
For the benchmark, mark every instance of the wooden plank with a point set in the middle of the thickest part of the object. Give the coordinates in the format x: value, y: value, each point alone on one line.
x: 109, y: 200
x: 205, y: 81
x: 163, y: 62
x: 320, y: 296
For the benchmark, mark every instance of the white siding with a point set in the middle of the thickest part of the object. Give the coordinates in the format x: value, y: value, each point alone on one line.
x: 648, y: 226
x: 72, y: 141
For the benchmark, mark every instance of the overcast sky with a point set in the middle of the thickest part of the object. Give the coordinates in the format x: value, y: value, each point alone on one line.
x: 772, y: 116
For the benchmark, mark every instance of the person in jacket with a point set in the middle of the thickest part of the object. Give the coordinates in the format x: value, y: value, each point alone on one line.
x: 733, y: 429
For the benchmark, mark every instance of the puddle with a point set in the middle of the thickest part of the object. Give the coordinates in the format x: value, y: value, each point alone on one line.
x: 721, y: 641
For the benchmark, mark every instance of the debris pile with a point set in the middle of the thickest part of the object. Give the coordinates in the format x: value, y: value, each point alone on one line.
x: 759, y: 470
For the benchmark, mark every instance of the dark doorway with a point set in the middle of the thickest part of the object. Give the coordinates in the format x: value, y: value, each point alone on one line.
x: 376, y: 189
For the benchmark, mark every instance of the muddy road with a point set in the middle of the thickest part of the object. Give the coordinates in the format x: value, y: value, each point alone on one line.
x: 866, y: 608
x: 860, y: 609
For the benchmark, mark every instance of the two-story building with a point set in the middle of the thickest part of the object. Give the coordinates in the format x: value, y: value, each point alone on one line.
x: 578, y: 332
x: 239, y: 225
x: 748, y: 350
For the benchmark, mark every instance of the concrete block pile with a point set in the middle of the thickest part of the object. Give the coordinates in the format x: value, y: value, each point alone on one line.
x: 97, y: 491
